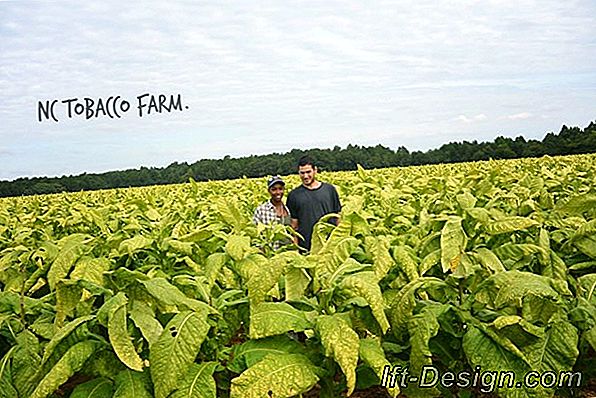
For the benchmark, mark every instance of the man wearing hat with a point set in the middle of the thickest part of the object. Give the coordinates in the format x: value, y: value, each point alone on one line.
x: 274, y: 210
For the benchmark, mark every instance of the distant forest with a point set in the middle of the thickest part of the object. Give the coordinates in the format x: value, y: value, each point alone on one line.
x: 571, y: 140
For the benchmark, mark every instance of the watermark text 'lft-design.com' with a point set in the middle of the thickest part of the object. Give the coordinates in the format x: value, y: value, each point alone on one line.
x: 488, y: 381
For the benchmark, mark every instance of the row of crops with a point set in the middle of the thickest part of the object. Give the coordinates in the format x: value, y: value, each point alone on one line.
x: 171, y: 291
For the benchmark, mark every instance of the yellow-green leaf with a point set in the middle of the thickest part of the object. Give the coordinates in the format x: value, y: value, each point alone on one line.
x: 176, y: 349
x: 341, y: 343
x: 276, y: 376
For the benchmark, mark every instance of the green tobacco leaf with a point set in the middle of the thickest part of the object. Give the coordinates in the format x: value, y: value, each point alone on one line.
x: 270, y: 319
x: 578, y: 204
x: 466, y: 200
x: 586, y: 245
x: 71, y: 249
x: 6, y: 387
x: 509, y: 224
x: 372, y: 354
x: 198, y: 382
x: 176, y: 349
x: 180, y: 247
x: 213, y: 265
x: 584, y: 266
x: 513, y: 287
x: 480, y: 214
x: 422, y: 327
x: 488, y: 259
x: 68, y: 365
x: 264, y: 279
x: 131, y: 384
x: 453, y: 244
x: 120, y: 339
x: 351, y: 224
x: 297, y: 280
x: 229, y: 213
x: 64, y: 335
x: 364, y: 284
x: 555, y: 351
x: 90, y: 269
x: 96, y: 388
x: 590, y: 336
x: 251, y: 265
x: 382, y: 260
x: 405, y: 261
x: 237, y: 246
x: 25, y: 369
x: 252, y: 351
x: 143, y: 317
x: 402, y: 305
x: 341, y: 343
x: 133, y: 245
x: 431, y: 259
x: 349, y: 266
x: 587, y: 229
x: 587, y: 285
x: 516, y: 251
x: 68, y: 295
x: 331, y: 257
x: 556, y: 269
x: 198, y: 235
x: 169, y: 295
x: 111, y: 305
x: 361, y: 173
x: 276, y: 376
x: 481, y: 350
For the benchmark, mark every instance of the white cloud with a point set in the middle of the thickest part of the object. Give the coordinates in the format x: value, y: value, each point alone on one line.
x: 477, y: 118
x: 519, y: 116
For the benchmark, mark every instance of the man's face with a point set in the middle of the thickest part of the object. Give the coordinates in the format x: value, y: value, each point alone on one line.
x: 307, y: 174
x: 276, y: 192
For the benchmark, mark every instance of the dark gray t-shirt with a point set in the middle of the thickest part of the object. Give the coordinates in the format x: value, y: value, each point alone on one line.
x: 309, y: 205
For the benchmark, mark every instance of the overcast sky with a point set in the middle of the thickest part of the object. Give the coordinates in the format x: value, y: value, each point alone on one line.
x: 262, y: 77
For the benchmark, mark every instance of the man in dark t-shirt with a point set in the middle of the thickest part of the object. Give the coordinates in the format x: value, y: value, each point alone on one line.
x: 311, y: 201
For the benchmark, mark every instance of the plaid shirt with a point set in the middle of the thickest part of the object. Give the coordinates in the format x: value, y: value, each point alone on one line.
x: 266, y: 214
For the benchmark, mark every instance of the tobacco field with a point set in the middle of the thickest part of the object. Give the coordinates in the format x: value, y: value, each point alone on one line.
x: 171, y: 291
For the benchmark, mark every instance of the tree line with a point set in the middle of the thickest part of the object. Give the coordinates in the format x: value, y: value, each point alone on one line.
x: 570, y: 140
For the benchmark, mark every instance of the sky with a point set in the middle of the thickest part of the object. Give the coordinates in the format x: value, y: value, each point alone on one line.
x: 263, y: 77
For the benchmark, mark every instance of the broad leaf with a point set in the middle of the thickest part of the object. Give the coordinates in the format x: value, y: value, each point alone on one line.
x: 372, y: 354
x: 276, y: 376
x: 71, y: 249
x: 453, y: 244
x: 509, y: 224
x: 364, y: 284
x: 131, y: 384
x: 143, y: 317
x: 270, y: 319
x: 341, y: 343
x: 68, y: 365
x: 176, y: 349
x: 96, y: 388
x: 198, y: 382
x: 250, y: 352
x: 120, y: 339
x: 238, y: 246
